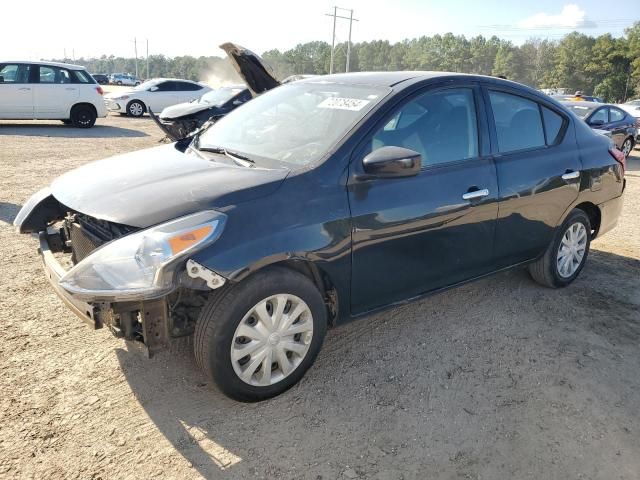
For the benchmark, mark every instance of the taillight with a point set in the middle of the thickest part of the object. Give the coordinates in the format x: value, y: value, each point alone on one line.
x: 618, y: 156
x: 99, y: 90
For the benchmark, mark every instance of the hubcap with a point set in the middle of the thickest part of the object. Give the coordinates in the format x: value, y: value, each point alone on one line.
x: 572, y: 248
x: 626, y: 147
x: 135, y: 109
x: 272, y: 340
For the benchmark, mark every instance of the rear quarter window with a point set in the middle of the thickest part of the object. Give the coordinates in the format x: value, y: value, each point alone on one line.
x: 553, y: 123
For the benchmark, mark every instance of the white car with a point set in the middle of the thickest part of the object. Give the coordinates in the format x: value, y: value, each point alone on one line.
x: 156, y: 94
x: 47, y: 90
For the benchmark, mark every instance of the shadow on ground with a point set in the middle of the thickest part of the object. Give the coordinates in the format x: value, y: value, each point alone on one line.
x: 51, y: 129
x: 457, y: 379
x: 8, y: 211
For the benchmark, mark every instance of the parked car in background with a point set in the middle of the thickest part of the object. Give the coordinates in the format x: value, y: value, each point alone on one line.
x: 101, y: 78
x: 49, y: 90
x: 124, y: 79
x: 155, y: 94
x: 608, y: 117
x: 179, y: 121
x: 319, y: 202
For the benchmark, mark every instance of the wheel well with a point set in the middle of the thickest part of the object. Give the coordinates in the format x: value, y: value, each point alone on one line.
x: 84, y: 105
x: 320, y: 279
x: 593, y: 212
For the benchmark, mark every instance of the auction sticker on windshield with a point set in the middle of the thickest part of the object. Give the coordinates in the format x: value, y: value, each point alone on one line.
x: 339, y: 103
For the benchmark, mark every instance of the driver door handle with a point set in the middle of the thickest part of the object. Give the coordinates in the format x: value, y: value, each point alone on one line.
x: 475, y: 194
x: 570, y: 175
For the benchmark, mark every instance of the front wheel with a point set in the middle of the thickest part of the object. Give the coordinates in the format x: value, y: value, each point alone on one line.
x: 257, y: 339
x: 566, y: 255
x: 135, y: 108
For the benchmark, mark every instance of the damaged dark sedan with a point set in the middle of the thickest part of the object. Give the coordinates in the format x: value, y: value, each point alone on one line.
x: 319, y: 202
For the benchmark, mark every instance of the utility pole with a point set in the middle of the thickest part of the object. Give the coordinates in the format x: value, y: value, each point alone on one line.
x: 135, y: 48
x: 349, y: 41
x: 333, y: 37
x: 147, y: 59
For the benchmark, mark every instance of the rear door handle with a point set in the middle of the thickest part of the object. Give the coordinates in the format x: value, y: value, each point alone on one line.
x: 475, y: 194
x: 24, y: 88
x: 570, y: 175
x: 69, y: 88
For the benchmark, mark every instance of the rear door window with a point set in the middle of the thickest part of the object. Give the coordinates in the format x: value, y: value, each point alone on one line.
x: 518, y: 122
x: 54, y: 75
x: 187, y: 87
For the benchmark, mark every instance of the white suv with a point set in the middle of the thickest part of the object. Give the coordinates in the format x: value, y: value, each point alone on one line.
x: 46, y: 90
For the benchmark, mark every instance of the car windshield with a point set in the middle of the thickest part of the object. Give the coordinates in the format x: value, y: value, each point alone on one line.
x: 295, y: 123
x: 221, y: 96
x: 579, y: 110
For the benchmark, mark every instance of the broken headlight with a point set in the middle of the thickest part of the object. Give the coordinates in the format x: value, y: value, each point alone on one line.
x: 142, y: 265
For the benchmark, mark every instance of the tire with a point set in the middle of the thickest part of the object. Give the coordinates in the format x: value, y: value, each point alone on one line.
x: 546, y: 270
x: 83, y: 116
x: 627, y: 146
x: 136, y: 108
x: 218, y: 334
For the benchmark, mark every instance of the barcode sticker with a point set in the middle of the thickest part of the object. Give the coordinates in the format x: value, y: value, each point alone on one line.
x: 339, y: 103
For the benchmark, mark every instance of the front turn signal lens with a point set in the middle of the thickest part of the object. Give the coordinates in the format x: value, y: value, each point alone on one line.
x: 185, y: 240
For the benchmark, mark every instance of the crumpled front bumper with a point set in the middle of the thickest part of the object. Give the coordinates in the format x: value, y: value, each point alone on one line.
x: 143, y: 324
x: 54, y: 272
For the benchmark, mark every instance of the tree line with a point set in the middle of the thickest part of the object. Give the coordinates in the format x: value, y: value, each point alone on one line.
x: 604, y: 66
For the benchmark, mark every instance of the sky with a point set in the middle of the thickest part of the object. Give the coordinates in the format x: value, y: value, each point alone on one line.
x: 82, y: 28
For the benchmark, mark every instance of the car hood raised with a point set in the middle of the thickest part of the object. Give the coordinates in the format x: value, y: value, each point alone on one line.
x: 147, y: 187
x: 254, y: 71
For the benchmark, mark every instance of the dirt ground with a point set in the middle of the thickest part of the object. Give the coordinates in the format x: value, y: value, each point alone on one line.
x: 499, y: 379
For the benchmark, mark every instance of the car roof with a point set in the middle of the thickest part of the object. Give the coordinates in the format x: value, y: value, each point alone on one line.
x: 68, y: 66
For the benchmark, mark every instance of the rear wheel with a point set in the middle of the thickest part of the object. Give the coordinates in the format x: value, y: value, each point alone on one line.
x: 83, y: 116
x: 566, y: 255
x: 627, y: 146
x: 136, y: 108
x: 256, y: 339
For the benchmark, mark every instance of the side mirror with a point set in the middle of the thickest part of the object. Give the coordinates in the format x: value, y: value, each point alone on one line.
x: 596, y: 123
x: 390, y: 162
